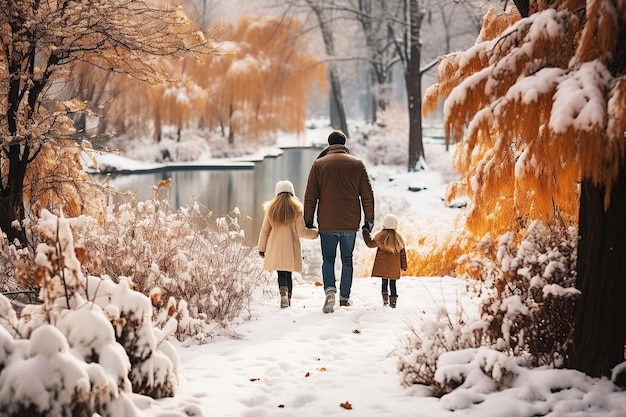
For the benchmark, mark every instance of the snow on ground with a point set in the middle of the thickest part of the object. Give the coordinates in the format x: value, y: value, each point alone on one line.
x: 300, y: 362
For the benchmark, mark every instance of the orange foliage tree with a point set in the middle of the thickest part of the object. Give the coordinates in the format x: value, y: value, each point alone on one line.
x: 39, y: 44
x: 264, y: 83
x: 538, y: 106
x: 259, y: 83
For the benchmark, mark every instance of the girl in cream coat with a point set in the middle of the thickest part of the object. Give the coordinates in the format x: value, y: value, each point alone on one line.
x: 279, y: 240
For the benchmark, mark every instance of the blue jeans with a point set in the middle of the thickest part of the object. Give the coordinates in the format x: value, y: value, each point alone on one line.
x: 329, y: 242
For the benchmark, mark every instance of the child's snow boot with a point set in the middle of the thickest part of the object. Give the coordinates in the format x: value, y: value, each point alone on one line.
x: 284, y: 297
x: 385, y: 299
x: 392, y: 301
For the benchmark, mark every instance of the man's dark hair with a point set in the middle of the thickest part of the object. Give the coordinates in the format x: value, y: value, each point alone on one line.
x: 337, y: 137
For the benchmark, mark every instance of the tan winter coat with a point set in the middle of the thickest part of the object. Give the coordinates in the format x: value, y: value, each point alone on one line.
x: 338, y: 186
x: 386, y: 264
x: 281, y: 244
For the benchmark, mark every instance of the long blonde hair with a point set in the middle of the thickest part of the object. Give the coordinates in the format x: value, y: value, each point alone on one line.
x: 283, y: 209
x: 389, y: 240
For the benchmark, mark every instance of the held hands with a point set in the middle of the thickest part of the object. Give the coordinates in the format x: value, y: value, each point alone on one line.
x: 369, y: 225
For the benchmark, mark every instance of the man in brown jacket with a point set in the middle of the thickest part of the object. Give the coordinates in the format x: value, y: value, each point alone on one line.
x: 338, y: 187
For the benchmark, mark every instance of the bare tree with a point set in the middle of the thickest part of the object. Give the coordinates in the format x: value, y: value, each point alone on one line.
x: 374, y: 17
x: 391, y: 35
x: 405, y: 31
x: 40, y: 41
x: 337, y: 111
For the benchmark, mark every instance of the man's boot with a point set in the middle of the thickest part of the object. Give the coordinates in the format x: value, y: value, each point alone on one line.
x: 392, y: 301
x: 284, y: 297
x: 329, y: 303
x: 385, y: 299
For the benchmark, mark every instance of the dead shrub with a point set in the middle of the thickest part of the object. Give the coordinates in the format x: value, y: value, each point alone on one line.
x: 195, y: 268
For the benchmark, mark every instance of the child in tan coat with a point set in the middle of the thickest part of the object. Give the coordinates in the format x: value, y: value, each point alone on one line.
x: 390, y: 257
x: 279, y: 240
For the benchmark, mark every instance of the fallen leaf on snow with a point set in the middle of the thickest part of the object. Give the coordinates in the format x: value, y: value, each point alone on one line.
x: 346, y: 405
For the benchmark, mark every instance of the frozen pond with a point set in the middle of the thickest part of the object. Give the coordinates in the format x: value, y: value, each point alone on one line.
x: 223, y: 189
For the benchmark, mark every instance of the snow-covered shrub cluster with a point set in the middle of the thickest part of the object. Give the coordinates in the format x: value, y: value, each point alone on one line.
x: 194, y: 142
x: 469, y: 375
x: 526, y: 312
x: 12, y: 261
x: 428, y: 340
x: 45, y: 376
x: 86, y: 347
x: 530, y: 308
x: 153, y: 362
x: 194, y: 269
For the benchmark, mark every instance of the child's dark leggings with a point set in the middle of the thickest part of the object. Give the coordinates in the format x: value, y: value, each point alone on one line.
x: 392, y: 285
x: 284, y: 280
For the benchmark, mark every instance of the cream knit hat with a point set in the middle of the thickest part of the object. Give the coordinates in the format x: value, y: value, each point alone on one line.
x: 284, y: 187
x: 390, y: 222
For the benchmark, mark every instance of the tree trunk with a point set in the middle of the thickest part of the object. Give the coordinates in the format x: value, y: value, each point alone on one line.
x: 337, y: 111
x: 382, y: 92
x: 600, y: 322
x: 372, y: 16
x: 414, y: 89
x: 231, y: 129
x: 12, y: 195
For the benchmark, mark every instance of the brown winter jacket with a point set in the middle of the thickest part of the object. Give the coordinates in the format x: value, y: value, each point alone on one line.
x: 338, y: 186
x: 281, y: 244
x: 386, y: 264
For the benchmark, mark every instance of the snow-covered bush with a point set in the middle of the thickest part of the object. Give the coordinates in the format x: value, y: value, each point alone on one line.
x: 63, y: 286
x: 530, y: 308
x: 467, y: 376
x: 8, y: 318
x: 428, y: 340
x: 13, y: 260
x: 526, y: 312
x: 194, y: 269
x: 492, y: 369
x: 387, y: 143
x: 152, y: 371
x: 88, y: 344
x: 43, y: 376
x: 192, y: 143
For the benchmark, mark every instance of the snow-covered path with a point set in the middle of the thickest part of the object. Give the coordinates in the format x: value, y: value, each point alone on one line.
x: 301, y: 362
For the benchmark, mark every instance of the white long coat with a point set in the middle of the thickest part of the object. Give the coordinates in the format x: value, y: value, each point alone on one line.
x: 281, y: 244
